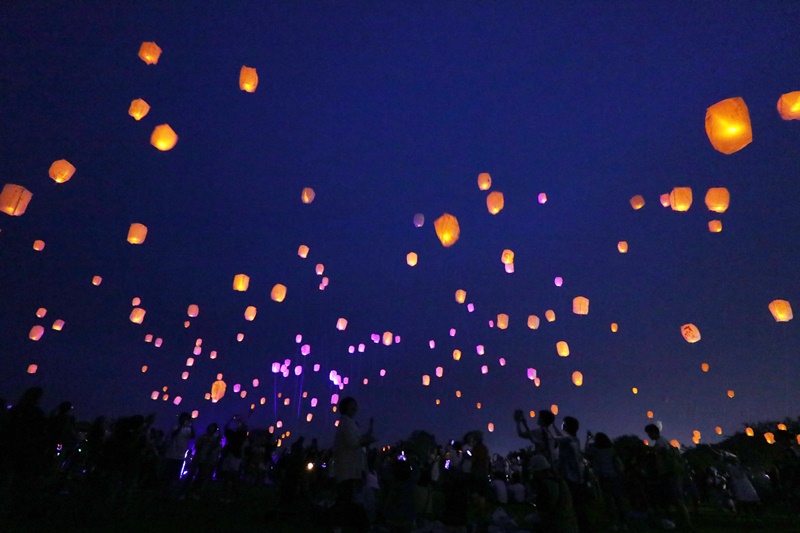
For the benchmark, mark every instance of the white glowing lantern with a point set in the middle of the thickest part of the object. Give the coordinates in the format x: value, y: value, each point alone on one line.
x: 419, y: 220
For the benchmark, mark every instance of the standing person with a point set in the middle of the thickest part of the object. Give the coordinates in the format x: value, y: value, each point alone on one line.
x: 669, y: 473
x: 609, y: 469
x: 350, y: 464
x: 205, y: 458
x: 543, y: 437
x: 235, y: 439
x: 571, y: 468
x: 175, y: 453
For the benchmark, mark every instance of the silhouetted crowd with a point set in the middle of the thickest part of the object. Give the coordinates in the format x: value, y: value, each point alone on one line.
x: 555, y: 483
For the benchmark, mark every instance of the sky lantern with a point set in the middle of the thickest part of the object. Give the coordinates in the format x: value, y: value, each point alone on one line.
x: 341, y: 324
x: 447, y: 229
x: 302, y: 251
x: 319, y: 269
x: 715, y: 226
x: 577, y: 378
x: 139, y: 109
x: 193, y: 310
x: 769, y: 437
x: 718, y: 430
x: 137, y: 233
x: 531, y: 373
x: 149, y: 52
x: 250, y: 313
x: 554, y: 409
x: 58, y: 325
x: 36, y: 333
x: 533, y: 322
x: 41, y: 312
x: 728, y: 125
x: 635, y: 390
x: 622, y: 247
x: 664, y: 200
x: 495, y: 202
x: 507, y: 257
x: 439, y: 371
x: 307, y: 195
x: 248, y: 79
x: 550, y: 315
x: 218, y: 389
x: 749, y: 432
x: 781, y: 310
x: 690, y: 333
x: 14, y: 199
x: 782, y: 427
x: 159, y: 341
x: 137, y: 315
x: 704, y: 367
x: 456, y: 355
x: 387, y: 338
x: 163, y: 137
x: 509, y: 268
x: 558, y: 281
x: 717, y: 199
x: 97, y: 280
x: 614, y: 327
x: 542, y: 198
x: 789, y: 106
x: 32, y: 369
x: 562, y: 348
x: 680, y: 199
x: 61, y: 171
x: 241, y: 282
x: 239, y: 337
x: 426, y: 380
x: 136, y: 301
x: 731, y: 394
x: 650, y: 414
x: 580, y: 305
x: 484, y: 181
x: 419, y: 220
x: 278, y: 292
x: 38, y: 245
x: 461, y: 295
x: 411, y: 259
x: 502, y: 321
x: 637, y: 202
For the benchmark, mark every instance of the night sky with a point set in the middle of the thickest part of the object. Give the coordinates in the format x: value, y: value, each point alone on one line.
x: 387, y: 110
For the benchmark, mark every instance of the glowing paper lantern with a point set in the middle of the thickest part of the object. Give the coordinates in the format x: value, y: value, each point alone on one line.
x: 781, y: 310
x: 731, y: 394
x: 136, y: 301
x: 550, y: 315
x: 248, y: 79
x: 61, y: 171
x: 495, y: 202
x: 36, y: 333
x: 622, y: 246
x: 484, y: 181
x: 614, y: 327
x: 664, y: 199
x: 419, y: 220
x: 457, y: 355
x: 307, y: 195
x: 461, y: 295
x: 319, y: 269
x: 717, y: 199
x: 41, y: 312
x: 32, y: 369
x: 531, y: 373
x: 439, y: 371
x: 542, y: 198
x: 650, y: 414
x: 782, y: 427
x: 704, y: 367
x: 250, y: 313
x: 637, y: 202
x: 137, y: 315
x: 562, y: 348
x: 558, y: 281
x: 635, y: 390
x: 58, y: 325
x: 789, y: 106
x: 580, y: 305
x: 163, y: 137
x: 218, y: 390
x: 554, y: 409
x: 715, y: 226
x: 193, y: 310
x: 411, y: 259
x: 137, y: 233
x: 38, y: 245
x: 139, y: 109
x: 97, y: 280
x: 769, y: 437
x: 502, y: 321
x: 239, y: 337
x: 302, y: 251
x: 14, y: 199
x: 675, y: 444
x: 577, y: 378
x: 241, y: 282
x: 509, y: 267
x: 533, y: 322
x: 680, y: 199
x: 728, y: 125
x: 159, y: 341
x: 690, y: 333
x: 426, y: 380
x: 749, y: 432
x: 278, y: 292
x: 484, y: 369
x: 507, y: 257
x: 447, y: 229
x: 388, y: 338
x: 149, y: 52
x: 341, y: 324
x: 718, y: 430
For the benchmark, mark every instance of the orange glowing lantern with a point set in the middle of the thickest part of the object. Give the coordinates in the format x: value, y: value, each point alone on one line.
x: 718, y: 199
x: 704, y: 367
x: 781, y: 427
x: 137, y: 233
x: 58, y: 325
x: 637, y: 202
x: 250, y: 313
x: 387, y: 338
x: 241, y: 282
x: 507, y: 257
x: 554, y: 409
x: 769, y: 437
x: 36, y: 333
x: 614, y: 327
x: 562, y: 348
x: 730, y: 394
x: 635, y: 390
x: 164, y: 138
x: 14, y: 199
x: 341, y: 324
x: 278, y: 293
x: 302, y: 251
x: 97, y: 280
x: 137, y: 315
x: 715, y: 226
x: 32, y: 369
x: 577, y: 378
x: 248, y: 79
x: 193, y: 310
x: 622, y: 247
x: 41, y: 312
x: 461, y: 295
x: 495, y: 202
x: 38, y: 245
x: 664, y: 199
x: 411, y: 259
x: 426, y: 380
x: 690, y: 333
x: 457, y: 355
x: 218, y: 390
x: 580, y: 305
x: 680, y: 199
x: 502, y: 321
x: 728, y: 125
x: 781, y: 310
x: 447, y: 229
x: 484, y: 181
x: 650, y: 414
x: 718, y: 430
x: 789, y: 106
x: 533, y: 322
x: 139, y: 109
x: 61, y: 171
x: 749, y: 432
x: 550, y: 315
x: 149, y: 52
x: 307, y: 195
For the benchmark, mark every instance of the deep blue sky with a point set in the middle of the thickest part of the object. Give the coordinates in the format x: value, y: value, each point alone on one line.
x: 387, y: 111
